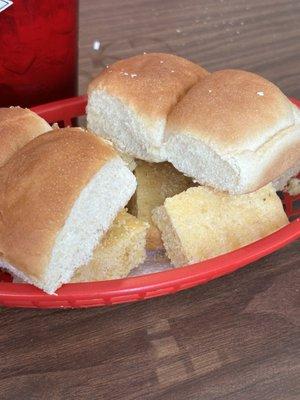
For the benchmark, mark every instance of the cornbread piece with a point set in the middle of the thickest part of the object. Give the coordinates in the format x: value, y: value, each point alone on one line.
x: 17, y: 127
x: 121, y: 250
x: 234, y: 131
x: 128, y: 103
x: 201, y: 223
x: 59, y: 195
x: 155, y: 182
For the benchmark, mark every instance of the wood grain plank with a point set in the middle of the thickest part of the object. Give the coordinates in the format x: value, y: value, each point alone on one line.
x: 236, y: 337
x: 262, y: 37
x: 231, y: 339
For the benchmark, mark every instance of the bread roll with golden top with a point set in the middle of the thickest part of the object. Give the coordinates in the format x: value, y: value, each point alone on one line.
x: 17, y: 127
x: 58, y: 196
x: 234, y: 131
x: 129, y: 102
x: 201, y: 223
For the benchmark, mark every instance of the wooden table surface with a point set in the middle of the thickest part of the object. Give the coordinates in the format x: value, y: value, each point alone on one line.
x: 236, y: 338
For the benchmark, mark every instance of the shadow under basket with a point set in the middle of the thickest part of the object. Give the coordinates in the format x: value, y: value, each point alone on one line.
x: 104, y: 293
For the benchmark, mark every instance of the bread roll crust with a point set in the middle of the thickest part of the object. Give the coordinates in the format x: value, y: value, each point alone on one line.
x: 17, y: 127
x: 233, y: 111
x: 38, y: 187
x: 234, y: 131
x: 149, y: 83
x: 282, y: 160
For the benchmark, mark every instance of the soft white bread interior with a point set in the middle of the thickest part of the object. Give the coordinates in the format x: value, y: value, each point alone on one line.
x: 17, y: 127
x: 234, y: 131
x: 128, y: 103
x: 201, y: 223
x: 121, y: 249
x: 155, y: 182
x: 58, y: 196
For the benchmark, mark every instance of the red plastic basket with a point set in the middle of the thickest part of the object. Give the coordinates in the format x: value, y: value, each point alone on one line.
x: 91, y: 294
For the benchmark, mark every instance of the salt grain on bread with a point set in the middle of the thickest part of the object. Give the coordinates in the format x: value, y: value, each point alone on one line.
x: 58, y: 196
x: 128, y: 103
x: 17, y: 127
x: 234, y: 131
x: 121, y: 249
x: 201, y: 223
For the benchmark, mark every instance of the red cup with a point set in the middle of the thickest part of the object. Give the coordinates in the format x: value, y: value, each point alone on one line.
x: 38, y: 51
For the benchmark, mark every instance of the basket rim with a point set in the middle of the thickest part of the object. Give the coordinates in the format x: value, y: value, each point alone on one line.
x: 168, y: 281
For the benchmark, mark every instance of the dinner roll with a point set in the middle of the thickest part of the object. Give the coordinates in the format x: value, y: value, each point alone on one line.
x: 59, y: 194
x: 234, y: 131
x: 129, y: 102
x: 17, y: 127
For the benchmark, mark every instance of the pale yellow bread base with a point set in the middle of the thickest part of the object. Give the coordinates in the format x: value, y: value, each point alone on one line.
x: 155, y: 182
x: 121, y: 250
x: 200, y: 223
